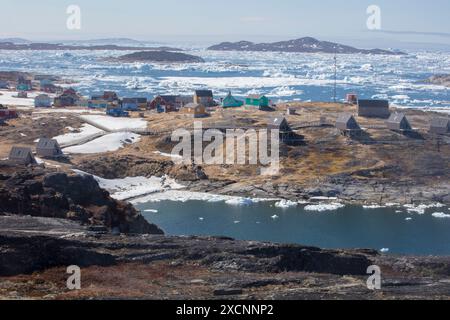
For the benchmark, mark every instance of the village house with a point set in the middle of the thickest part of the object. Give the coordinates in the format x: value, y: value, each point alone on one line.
x: 196, y: 110
x: 6, y: 114
x: 98, y: 102
x: 373, y: 108
x: 440, y: 125
x: 291, y: 111
x: 351, y: 98
x: 398, y: 122
x: 134, y: 104
x: 110, y: 96
x: 50, y: 88
x: 231, y: 102
x: 21, y: 155
x: 168, y: 102
x: 347, y: 124
x: 82, y: 102
x: 48, y: 148
x: 42, y: 101
x: 257, y: 100
x: 68, y: 98
x: 24, y: 84
x: 204, y: 97
x: 280, y: 123
x: 3, y: 84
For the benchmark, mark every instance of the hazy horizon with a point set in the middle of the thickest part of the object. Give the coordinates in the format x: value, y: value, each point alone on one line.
x: 405, y: 24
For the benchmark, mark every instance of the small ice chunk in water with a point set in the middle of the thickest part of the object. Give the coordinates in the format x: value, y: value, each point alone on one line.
x: 384, y: 250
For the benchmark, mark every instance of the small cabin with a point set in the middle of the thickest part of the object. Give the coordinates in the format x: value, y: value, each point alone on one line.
x: 7, y: 114
x: 21, y: 155
x: 42, y: 101
x: 280, y: 123
x: 168, y: 102
x: 292, y: 111
x: 48, y: 148
x: 347, y: 123
x: 3, y: 84
x: 257, y: 100
x: 134, y: 104
x: 398, y: 122
x: 64, y: 100
x: 231, y: 102
x: 98, y: 103
x: 204, y: 97
x: 24, y: 85
x: 22, y: 94
x: 373, y: 108
x: 195, y: 109
x: 110, y: 96
x: 440, y: 125
x: 351, y: 98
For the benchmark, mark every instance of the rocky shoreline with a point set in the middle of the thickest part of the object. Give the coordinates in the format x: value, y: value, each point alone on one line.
x: 50, y: 220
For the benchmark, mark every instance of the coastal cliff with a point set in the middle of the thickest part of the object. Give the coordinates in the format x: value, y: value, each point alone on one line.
x: 40, y: 192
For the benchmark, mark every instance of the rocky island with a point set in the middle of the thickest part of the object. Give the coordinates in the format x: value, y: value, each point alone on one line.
x: 159, y: 56
x: 302, y: 45
x: 441, y: 80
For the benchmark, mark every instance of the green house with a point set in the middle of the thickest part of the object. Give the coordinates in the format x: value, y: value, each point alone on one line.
x: 231, y: 102
x: 257, y: 100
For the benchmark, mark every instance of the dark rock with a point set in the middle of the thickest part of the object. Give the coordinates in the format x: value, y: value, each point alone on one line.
x: 227, y: 292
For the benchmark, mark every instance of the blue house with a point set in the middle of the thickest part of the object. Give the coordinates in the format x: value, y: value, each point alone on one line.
x: 130, y: 104
x: 97, y: 102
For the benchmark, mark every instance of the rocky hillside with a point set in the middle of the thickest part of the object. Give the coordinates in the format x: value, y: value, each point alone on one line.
x: 35, y: 252
x: 306, y: 45
x: 159, y: 56
x: 44, y: 193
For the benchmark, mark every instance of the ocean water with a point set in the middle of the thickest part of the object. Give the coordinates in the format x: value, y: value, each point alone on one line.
x: 281, y: 76
x: 392, y: 230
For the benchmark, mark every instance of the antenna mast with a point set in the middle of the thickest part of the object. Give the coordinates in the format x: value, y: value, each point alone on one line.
x: 335, y: 75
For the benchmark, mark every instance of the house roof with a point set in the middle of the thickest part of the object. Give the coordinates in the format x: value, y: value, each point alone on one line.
x: 45, y: 143
x: 276, y: 121
x: 42, y: 96
x: 204, y: 93
x: 20, y: 153
x: 440, y: 122
x: 396, y: 117
x: 170, y: 98
x: 373, y: 103
x: 256, y: 96
x: 347, y: 121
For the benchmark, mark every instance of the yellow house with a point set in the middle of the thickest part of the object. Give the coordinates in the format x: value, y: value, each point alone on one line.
x: 195, y: 109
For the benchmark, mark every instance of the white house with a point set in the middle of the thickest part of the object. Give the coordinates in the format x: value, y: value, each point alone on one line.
x: 42, y: 101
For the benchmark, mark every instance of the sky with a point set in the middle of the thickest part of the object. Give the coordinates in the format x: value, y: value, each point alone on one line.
x: 403, y: 22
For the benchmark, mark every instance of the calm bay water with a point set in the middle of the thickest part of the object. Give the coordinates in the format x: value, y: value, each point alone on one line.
x: 349, y: 227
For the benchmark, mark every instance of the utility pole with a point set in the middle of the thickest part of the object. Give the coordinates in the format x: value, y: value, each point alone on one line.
x: 335, y: 75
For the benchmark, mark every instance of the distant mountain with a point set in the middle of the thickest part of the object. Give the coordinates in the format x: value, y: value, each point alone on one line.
x: 15, y: 40
x: 109, y: 41
x: 159, y: 56
x: 306, y: 45
x: 59, y: 46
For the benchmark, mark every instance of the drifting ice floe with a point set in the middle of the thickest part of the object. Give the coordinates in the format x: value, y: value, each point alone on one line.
x: 284, y: 204
x: 441, y: 215
x: 324, y: 207
x: 420, y: 209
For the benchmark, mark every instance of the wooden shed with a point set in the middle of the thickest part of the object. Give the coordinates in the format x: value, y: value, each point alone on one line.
x: 48, y: 148
x: 346, y: 122
x: 280, y: 123
x: 21, y: 155
x: 398, y: 122
x: 195, y: 109
x: 440, y: 125
x: 373, y: 108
